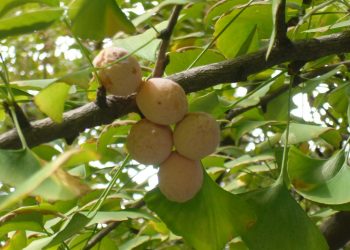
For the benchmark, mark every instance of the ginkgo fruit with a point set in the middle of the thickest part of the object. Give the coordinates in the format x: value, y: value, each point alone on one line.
x: 149, y: 143
x: 197, y: 135
x: 122, y: 78
x: 162, y: 101
x: 180, y: 178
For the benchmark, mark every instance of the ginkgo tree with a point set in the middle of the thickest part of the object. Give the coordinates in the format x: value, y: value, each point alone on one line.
x: 274, y: 75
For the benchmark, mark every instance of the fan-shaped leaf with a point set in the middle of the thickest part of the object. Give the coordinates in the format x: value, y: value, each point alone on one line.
x: 98, y: 19
x: 323, y: 181
x: 281, y: 223
x: 209, y: 220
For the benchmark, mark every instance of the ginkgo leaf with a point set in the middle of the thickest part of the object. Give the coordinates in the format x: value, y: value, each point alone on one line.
x: 305, y: 132
x: 51, y: 100
x: 322, y: 181
x: 7, y: 5
x: 281, y: 222
x: 209, y: 220
x: 29, y: 21
x: 21, y: 169
x: 98, y: 19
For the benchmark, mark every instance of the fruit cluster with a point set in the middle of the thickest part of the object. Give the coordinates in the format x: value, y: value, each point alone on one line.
x: 163, y: 103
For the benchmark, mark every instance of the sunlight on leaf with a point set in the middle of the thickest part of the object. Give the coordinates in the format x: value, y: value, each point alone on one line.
x: 7, y: 5
x: 98, y: 19
x: 305, y: 132
x: 253, y: 24
x: 17, y: 241
x: 32, y: 178
x: 51, y: 100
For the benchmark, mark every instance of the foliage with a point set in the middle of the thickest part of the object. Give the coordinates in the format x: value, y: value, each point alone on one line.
x: 282, y: 165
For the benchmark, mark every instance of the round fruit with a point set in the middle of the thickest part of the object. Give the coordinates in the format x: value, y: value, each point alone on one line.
x: 149, y: 143
x: 180, y: 178
x: 122, y: 78
x: 162, y: 101
x: 197, y: 135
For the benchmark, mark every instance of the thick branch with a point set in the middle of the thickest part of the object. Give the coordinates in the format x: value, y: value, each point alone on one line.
x: 74, y: 122
x: 195, y: 79
x: 336, y: 230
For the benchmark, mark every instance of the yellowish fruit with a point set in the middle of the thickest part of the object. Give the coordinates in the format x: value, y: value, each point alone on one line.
x: 162, y: 101
x: 197, y: 135
x: 122, y: 78
x: 180, y: 178
x: 149, y: 143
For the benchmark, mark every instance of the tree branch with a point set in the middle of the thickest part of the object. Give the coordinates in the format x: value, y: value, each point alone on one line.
x: 195, y: 79
x: 165, y: 35
x: 336, y: 230
x: 280, y: 25
x: 105, y: 231
x: 267, y: 98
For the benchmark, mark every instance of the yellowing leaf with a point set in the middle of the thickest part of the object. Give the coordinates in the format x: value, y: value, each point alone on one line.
x: 51, y: 100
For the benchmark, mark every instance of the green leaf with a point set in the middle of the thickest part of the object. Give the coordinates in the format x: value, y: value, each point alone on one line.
x: 338, y: 98
x: 112, y: 134
x: 347, y: 114
x: 51, y: 100
x: 243, y: 127
x: 265, y: 87
x: 281, y: 224
x: 142, y: 18
x: 28, y: 22
x: 104, y: 216
x: 22, y: 170
x: 133, y: 43
x: 275, y: 7
x: 71, y: 228
x: 80, y: 78
x: 220, y: 8
x: 135, y: 242
x: 45, y: 152
x: 79, y: 242
x: 312, y: 83
x: 277, y: 108
x: 247, y: 159
x: 209, y: 220
x: 17, y: 241
x: 322, y: 181
x: 209, y: 103
x: 179, y: 61
x: 31, y: 222
x: 305, y: 132
x: 253, y: 24
x: 42, y: 209
x: 98, y: 19
x: 7, y: 5
x: 36, y: 84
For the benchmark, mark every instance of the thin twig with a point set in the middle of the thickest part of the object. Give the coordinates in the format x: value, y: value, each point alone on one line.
x: 267, y: 98
x: 281, y: 25
x: 165, y: 35
x: 105, y: 231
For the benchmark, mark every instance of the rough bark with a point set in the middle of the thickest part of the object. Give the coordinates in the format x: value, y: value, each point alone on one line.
x: 238, y: 69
